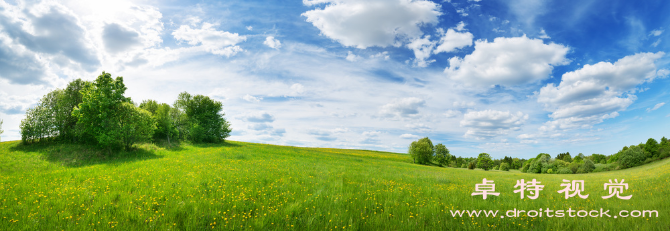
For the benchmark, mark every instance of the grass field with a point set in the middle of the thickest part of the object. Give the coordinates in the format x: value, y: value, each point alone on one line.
x: 242, y: 186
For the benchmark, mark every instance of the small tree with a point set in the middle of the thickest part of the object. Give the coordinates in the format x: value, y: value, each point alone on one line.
x: 421, y: 151
x: 504, y: 167
x: 484, y: 161
x: 587, y: 166
x: 442, y: 155
x: 651, y: 147
x: 135, y: 126
x: 472, y: 164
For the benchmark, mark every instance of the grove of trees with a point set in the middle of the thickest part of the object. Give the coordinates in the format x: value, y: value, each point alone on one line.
x: 423, y: 152
x: 98, y: 113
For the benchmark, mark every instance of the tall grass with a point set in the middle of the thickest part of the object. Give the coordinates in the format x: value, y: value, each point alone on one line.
x: 239, y: 186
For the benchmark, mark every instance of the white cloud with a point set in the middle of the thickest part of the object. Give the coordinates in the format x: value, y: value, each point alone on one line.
x: 409, y: 136
x: 251, y: 98
x: 351, y: 57
x: 655, y: 44
x: 491, y: 123
x: 452, y: 41
x: 588, y: 96
x: 422, y: 48
x: 384, y: 55
x: 507, y: 62
x: 370, y: 23
x: 656, y: 32
x: 250, y: 27
x: 543, y: 35
x: 464, y: 104
x: 406, y: 107
x: 452, y: 114
x: 656, y: 107
x: 297, y: 89
x: 211, y: 40
x: 419, y: 127
x: 271, y: 42
x: 262, y: 117
x: 460, y: 26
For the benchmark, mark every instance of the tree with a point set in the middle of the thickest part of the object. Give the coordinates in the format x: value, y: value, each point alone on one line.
x: 166, y: 118
x: 579, y: 158
x: 587, y: 166
x: 504, y: 166
x: 70, y: 98
x: 421, y: 151
x: 651, y: 147
x: 516, y: 164
x: 632, y: 157
x: 205, y: 122
x: 564, y: 156
x: 484, y: 161
x: 442, y: 155
x: 111, y: 118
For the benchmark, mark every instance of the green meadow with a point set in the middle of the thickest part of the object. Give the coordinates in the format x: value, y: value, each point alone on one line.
x: 248, y: 186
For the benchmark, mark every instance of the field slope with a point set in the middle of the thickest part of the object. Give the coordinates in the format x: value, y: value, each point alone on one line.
x: 243, y: 186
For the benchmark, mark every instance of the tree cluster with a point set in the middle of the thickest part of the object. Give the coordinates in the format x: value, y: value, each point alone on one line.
x: 98, y: 113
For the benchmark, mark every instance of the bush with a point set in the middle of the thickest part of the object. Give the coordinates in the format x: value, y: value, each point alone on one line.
x: 604, y: 167
x: 472, y: 165
x: 632, y: 157
x: 421, y: 151
x: 564, y: 171
x: 550, y: 171
x: 525, y: 168
x: 504, y: 167
x: 587, y: 166
x: 496, y: 167
x: 574, y: 166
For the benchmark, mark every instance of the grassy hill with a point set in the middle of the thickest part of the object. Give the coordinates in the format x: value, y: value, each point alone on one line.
x: 241, y: 186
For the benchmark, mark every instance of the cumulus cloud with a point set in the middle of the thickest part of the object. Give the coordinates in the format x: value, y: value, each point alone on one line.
x: 452, y: 41
x: 262, y: 117
x: 452, y: 113
x: 507, y: 62
x: 117, y: 38
x: 422, y: 48
x: 351, y: 57
x: 588, y: 96
x: 419, y: 127
x: 271, y: 42
x: 14, y: 104
x: 656, y: 107
x: 211, y: 40
x: 32, y: 34
x: 327, y: 135
x: 543, y: 35
x: 370, y: 23
x: 405, y: 107
x: 491, y: 123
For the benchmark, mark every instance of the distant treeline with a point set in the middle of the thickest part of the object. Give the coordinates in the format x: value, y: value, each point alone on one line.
x: 98, y: 113
x: 422, y: 151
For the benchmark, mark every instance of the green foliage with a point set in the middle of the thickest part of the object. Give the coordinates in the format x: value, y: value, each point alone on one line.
x: 204, y: 118
x: 651, y: 147
x: 525, y: 167
x: 632, y: 157
x: 550, y: 171
x: 516, y: 164
x: 504, y: 166
x: 421, y: 151
x: 539, y: 163
x: 587, y: 166
x: 574, y: 166
x: 564, y: 157
x: 442, y: 155
x: 564, y: 171
x: 472, y: 165
x: 167, y: 119
x: 579, y: 158
x: 598, y: 158
x: 484, y: 161
x: 109, y: 117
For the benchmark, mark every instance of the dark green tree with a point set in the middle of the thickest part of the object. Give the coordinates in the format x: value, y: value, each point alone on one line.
x: 651, y: 147
x: 632, y: 157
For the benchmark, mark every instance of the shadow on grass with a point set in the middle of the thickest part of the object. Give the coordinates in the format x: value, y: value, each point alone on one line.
x: 80, y: 155
x: 216, y: 145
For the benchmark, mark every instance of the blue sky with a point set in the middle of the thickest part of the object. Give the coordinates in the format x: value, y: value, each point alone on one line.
x: 504, y: 77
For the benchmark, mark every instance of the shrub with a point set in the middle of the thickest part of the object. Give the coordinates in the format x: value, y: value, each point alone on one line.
x: 632, y: 157
x: 564, y: 171
x: 574, y: 166
x: 587, y: 166
x: 525, y: 168
x: 550, y: 171
x: 496, y: 167
x: 421, y: 151
x: 504, y: 167
x: 472, y: 165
